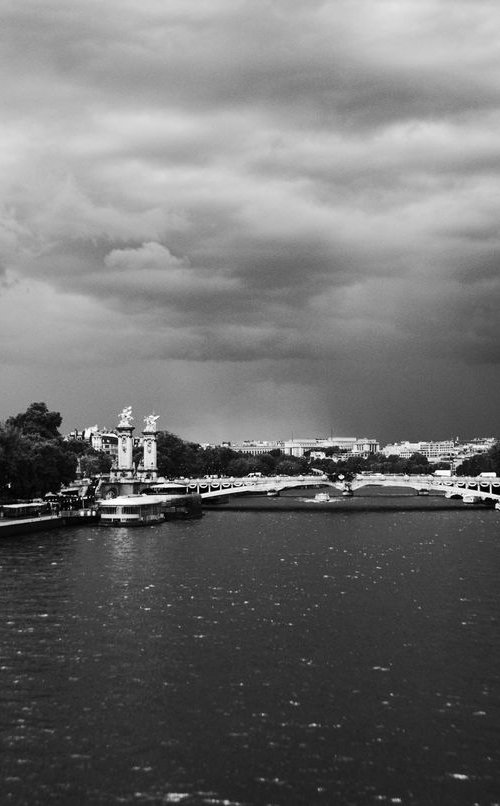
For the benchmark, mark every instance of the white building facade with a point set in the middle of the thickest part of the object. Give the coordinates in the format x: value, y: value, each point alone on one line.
x: 301, y: 447
x: 433, y: 451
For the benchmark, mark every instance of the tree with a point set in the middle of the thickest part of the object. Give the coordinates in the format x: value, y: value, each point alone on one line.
x: 10, y: 448
x: 292, y: 466
x: 176, y: 457
x: 215, y: 461
x: 34, y: 459
x: 417, y: 464
x: 37, y: 420
x: 240, y: 466
x: 93, y: 463
x: 488, y: 462
x: 267, y: 463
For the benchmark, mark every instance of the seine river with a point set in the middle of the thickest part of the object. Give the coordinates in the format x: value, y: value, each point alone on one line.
x: 255, y: 657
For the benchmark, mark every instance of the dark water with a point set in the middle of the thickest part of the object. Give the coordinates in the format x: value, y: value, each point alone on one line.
x: 254, y: 658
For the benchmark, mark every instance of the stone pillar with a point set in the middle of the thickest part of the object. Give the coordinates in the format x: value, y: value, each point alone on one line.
x: 125, y: 445
x: 149, y: 461
x: 125, y: 441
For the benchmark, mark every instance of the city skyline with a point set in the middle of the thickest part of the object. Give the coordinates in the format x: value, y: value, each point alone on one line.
x: 255, y: 219
x: 85, y: 431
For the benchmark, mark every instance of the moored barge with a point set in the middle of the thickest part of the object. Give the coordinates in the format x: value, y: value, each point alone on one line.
x: 131, y: 510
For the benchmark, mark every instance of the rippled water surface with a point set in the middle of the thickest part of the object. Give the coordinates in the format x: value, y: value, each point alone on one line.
x: 254, y: 658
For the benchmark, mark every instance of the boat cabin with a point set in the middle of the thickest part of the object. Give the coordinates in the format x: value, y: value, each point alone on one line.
x: 131, y: 510
x: 33, y: 509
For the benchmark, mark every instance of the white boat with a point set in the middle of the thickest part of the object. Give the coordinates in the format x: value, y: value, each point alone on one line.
x: 472, y: 499
x: 321, y: 497
x: 131, y: 510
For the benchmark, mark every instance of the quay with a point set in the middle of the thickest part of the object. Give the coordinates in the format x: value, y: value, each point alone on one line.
x: 172, y: 507
x: 11, y: 527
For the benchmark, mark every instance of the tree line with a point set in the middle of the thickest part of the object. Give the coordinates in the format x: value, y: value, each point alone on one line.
x: 417, y: 464
x: 35, y: 459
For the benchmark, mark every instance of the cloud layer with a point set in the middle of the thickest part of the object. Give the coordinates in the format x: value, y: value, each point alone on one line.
x: 297, y: 200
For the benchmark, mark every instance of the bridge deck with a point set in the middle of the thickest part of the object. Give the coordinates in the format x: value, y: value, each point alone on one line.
x: 481, y: 488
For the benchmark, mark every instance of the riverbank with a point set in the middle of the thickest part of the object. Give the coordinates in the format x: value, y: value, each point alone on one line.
x: 9, y: 527
x: 181, y: 507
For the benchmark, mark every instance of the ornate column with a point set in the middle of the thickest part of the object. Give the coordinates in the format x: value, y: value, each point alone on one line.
x: 149, y: 461
x: 125, y: 441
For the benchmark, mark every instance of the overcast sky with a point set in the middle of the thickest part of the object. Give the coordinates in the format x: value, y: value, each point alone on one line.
x: 254, y: 217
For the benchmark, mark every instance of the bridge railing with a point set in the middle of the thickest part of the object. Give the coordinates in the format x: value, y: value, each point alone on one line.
x: 232, y: 484
x: 484, y: 488
x: 455, y: 485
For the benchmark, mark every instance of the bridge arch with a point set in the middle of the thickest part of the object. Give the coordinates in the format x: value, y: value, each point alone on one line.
x: 461, y: 486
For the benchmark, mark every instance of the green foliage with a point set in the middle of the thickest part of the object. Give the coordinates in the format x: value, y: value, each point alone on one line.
x: 176, y: 457
x: 34, y: 459
x: 292, y: 466
x: 78, y: 446
x: 93, y: 463
x: 37, y: 421
x: 241, y: 465
x: 488, y: 462
x: 374, y: 463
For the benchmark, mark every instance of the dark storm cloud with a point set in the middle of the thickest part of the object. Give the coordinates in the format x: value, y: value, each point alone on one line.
x: 287, y: 183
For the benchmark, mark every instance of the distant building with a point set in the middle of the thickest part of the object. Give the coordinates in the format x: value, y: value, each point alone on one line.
x: 478, y: 445
x: 433, y: 451
x: 402, y: 449
x: 366, y: 446
x: 105, y: 442
x: 254, y: 447
x: 300, y: 447
x: 102, y: 440
x: 348, y: 445
x: 84, y: 435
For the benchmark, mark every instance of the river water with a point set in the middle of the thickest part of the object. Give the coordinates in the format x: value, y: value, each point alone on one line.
x: 311, y: 657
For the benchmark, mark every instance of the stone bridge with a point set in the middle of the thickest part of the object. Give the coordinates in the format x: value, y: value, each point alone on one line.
x: 470, y: 489
x: 223, y: 487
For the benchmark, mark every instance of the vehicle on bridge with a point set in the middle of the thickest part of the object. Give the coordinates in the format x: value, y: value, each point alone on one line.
x: 168, y: 488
